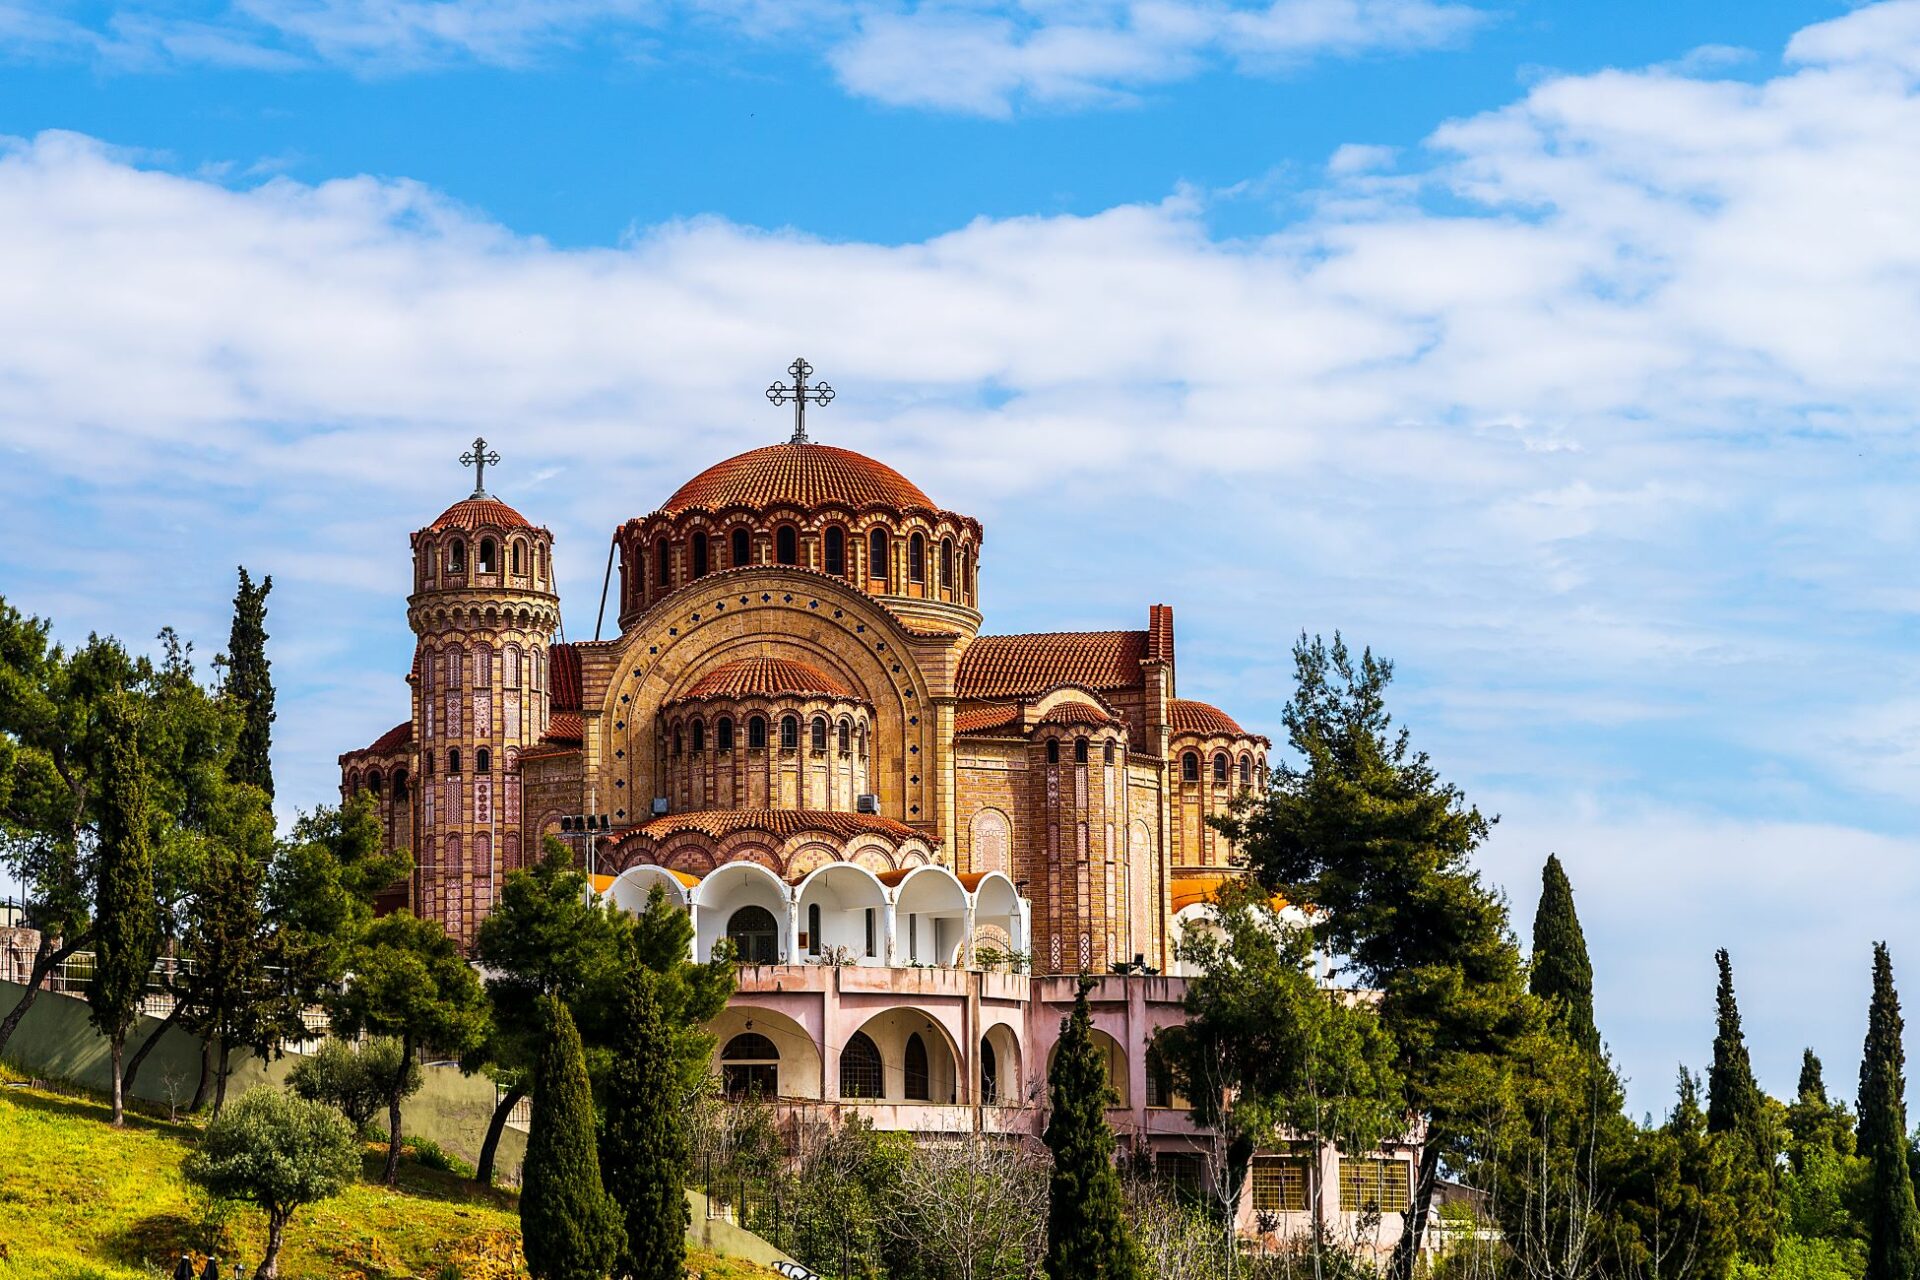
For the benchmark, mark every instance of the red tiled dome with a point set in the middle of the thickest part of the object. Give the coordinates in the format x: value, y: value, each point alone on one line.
x: 767, y: 677
x: 471, y: 513
x: 806, y: 475
x: 1187, y: 716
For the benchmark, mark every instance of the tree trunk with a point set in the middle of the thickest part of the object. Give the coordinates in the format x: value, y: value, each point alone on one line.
x: 202, y: 1090
x: 220, y: 1076
x: 483, y: 1172
x: 146, y: 1046
x: 276, y: 1231
x: 45, y: 957
x: 1407, y: 1252
x: 119, y: 1096
x: 392, y: 1175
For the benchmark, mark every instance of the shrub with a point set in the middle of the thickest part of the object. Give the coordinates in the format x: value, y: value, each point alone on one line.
x: 352, y: 1079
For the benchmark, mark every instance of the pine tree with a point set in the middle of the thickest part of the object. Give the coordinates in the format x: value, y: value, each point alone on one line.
x: 643, y: 1148
x: 1737, y: 1114
x: 1562, y: 973
x: 570, y: 1226
x: 1087, y: 1233
x: 1816, y: 1123
x: 249, y: 683
x: 1893, y: 1221
x: 126, y: 930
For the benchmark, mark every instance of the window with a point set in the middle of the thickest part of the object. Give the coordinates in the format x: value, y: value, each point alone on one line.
x: 919, y: 1086
x: 1108, y: 752
x: 723, y: 733
x: 946, y: 563
x: 1369, y: 1184
x: 699, y: 735
x: 757, y: 733
x: 1190, y: 767
x: 676, y: 740
x: 519, y: 556
x: 457, y: 557
x: 819, y: 733
x: 836, y: 551
x: 860, y: 1074
x: 482, y: 761
x: 453, y: 760
x: 1246, y: 771
x: 916, y: 559
x: 487, y: 564
x: 1185, y: 1170
x: 846, y: 737
x: 750, y: 1067
x: 373, y: 782
x: 1053, y: 751
x: 989, y: 1075
x: 755, y: 937
x: 742, y: 549
x: 966, y: 560
x: 873, y: 934
x: 663, y: 565
x: 539, y: 562
x: 1220, y: 771
x: 1159, y: 1086
x: 426, y: 763
x: 786, y: 545
x: 1279, y: 1185
x: 699, y: 555
x: 789, y: 732
x: 1079, y: 750
x: 399, y: 784
x: 813, y: 929
x: 877, y: 554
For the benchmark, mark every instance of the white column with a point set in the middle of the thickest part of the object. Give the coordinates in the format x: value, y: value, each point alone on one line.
x: 892, y: 948
x: 791, y: 949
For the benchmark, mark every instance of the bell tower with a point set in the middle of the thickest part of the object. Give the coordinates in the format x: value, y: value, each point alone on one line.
x: 483, y: 611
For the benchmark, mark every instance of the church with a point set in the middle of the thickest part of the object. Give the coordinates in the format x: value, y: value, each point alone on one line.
x: 915, y: 833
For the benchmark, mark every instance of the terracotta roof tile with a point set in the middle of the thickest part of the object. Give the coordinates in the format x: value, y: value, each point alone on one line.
x: 768, y: 676
x: 1160, y: 633
x: 563, y: 677
x: 471, y: 513
x: 394, y: 739
x: 980, y: 719
x: 1187, y: 716
x: 565, y: 726
x: 1012, y: 666
x: 807, y: 475
x: 1075, y: 712
x: 783, y: 823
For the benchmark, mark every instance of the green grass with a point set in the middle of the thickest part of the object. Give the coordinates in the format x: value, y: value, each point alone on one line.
x: 82, y: 1201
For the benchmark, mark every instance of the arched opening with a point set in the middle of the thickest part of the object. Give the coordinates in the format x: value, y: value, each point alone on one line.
x: 1053, y: 751
x: 373, y: 782
x: 916, y: 559
x: 399, y: 784
x: 836, y: 551
x: 482, y: 760
x: 786, y: 545
x: 1107, y: 752
x: 819, y: 733
x: 813, y: 929
x: 453, y: 760
x: 1000, y: 1067
x: 678, y: 741
x: 1190, y: 767
x: 1246, y: 772
x: 742, y: 549
x: 930, y: 910
x: 913, y: 1064
x: 789, y: 732
x: 663, y: 567
x: 966, y: 566
x: 723, y: 733
x: 757, y: 733
x: 861, y: 1075
x: 487, y: 556
x: 699, y: 735
x: 457, y: 556
x: 1220, y: 770
x: 989, y: 1074
x: 750, y: 1066
x: 755, y: 935
x: 699, y: 555
x: 846, y: 737
x: 519, y: 556
x: 1079, y: 750
x: 946, y: 564
x: 877, y: 556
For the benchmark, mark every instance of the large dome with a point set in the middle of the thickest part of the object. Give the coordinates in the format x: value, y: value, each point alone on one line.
x: 804, y: 475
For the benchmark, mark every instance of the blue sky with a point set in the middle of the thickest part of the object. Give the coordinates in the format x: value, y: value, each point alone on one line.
x: 1562, y: 352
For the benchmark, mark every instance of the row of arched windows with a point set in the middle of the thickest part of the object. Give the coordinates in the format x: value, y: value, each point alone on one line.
x: 750, y: 1065
x: 692, y: 734
x: 375, y: 784
x: 449, y: 667
x: 482, y: 761
x: 1080, y: 751
x: 523, y: 558
x: 943, y: 569
x: 1222, y: 769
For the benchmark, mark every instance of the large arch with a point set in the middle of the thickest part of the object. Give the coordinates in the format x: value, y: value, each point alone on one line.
x: 1005, y: 1085
x: 930, y: 911
x: 892, y: 1032
x: 799, y: 1053
x: 632, y: 887
x: 1118, y: 1072
x: 731, y: 888
x: 998, y: 910
x: 851, y: 905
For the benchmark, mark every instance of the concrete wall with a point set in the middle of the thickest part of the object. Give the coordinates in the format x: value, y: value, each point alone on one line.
x: 55, y: 1040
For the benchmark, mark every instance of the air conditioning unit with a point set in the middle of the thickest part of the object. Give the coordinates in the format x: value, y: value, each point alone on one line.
x: 868, y: 804
x: 660, y: 806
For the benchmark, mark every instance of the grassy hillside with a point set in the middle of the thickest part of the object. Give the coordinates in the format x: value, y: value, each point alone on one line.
x: 80, y: 1201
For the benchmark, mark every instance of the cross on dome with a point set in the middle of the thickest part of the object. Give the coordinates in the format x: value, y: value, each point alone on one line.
x: 479, y: 458
x: 820, y: 393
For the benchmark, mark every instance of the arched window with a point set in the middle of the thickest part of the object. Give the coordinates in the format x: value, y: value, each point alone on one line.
x: 482, y: 761
x: 786, y: 545
x: 813, y: 928
x: 919, y: 1085
x: 699, y: 555
x: 819, y: 734
x: 1190, y: 767
x: 946, y: 563
x: 453, y: 760
x: 973, y: 580
x: 1246, y: 772
x: 519, y: 556
x: 742, y: 549
x: 789, y: 732
x: 750, y: 1067
x: 754, y: 935
x: 539, y: 562
x: 699, y: 735
x: 510, y: 666
x: 663, y: 564
x: 1079, y: 750
x: 836, y: 551
x: 723, y: 733
x: 677, y: 741
x: 989, y: 1075
x: 457, y: 556
x: 1220, y: 770
x: 399, y: 784
x: 1053, y: 751
x: 877, y: 554
x: 373, y: 782
x: 916, y: 559
x: 846, y: 737
x: 487, y: 552
x: 860, y: 1073
x: 1108, y: 751
x: 757, y: 733
x: 966, y: 562
x: 426, y: 763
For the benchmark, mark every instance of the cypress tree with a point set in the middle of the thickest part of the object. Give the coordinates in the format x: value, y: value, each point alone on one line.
x: 1736, y: 1113
x: 249, y: 683
x: 1087, y: 1233
x: 1562, y: 973
x: 643, y: 1149
x: 1893, y: 1221
x: 126, y: 926
x: 1816, y: 1123
x: 570, y: 1226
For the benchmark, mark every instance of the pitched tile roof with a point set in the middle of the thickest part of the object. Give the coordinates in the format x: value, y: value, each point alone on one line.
x: 807, y: 475
x: 1187, y: 716
x: 980, y: 719
x: 1077, y: 712
x: 393, y: 739
x: 471, y: 513
x: 1014, y: 666
x: 783, y: 823
x: 563, y: 677
x: 565, y: 726
x: 768, y: 676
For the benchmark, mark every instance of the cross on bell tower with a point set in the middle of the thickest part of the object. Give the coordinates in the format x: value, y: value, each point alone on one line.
x: 479, y: 458
x: 820, y: 393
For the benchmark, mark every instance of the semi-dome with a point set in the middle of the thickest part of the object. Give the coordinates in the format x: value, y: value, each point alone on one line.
x: 766, y: 677
x: 805, y: 475
x: 472, y: 513
x: 1185, y: 715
